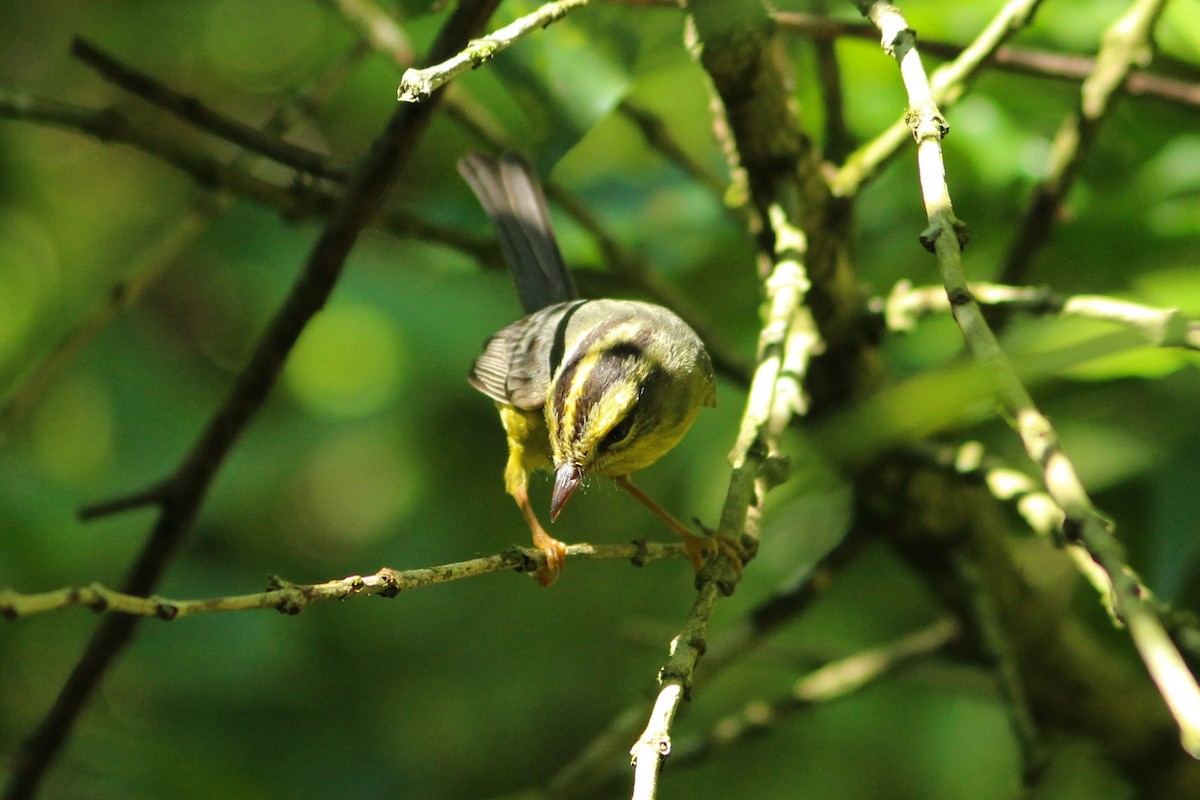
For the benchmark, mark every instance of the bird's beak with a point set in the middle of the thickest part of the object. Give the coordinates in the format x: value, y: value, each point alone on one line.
x: 566, y: 481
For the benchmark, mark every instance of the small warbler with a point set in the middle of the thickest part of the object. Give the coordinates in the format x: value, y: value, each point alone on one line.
x: 585, y: 387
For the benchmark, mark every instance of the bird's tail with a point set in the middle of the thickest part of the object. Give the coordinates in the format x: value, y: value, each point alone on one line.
x: 510, y: 193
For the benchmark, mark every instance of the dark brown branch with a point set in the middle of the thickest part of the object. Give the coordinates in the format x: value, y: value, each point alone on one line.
x: 191, y: 110
x: 190, y: 483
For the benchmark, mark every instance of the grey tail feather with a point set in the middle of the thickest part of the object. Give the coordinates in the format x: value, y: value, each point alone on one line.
x: 510, y: 193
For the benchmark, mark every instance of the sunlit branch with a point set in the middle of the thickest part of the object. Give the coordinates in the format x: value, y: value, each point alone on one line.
x: 949, y: 83
x: 1163, y: 327
x: 416, y: 85
x: 1083, y: 524
x: 789, y: 337
x: 597, y: 762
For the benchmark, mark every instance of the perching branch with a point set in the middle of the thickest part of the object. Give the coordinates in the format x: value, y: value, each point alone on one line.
x: 731, y: 40
x: 416, y: 85
x: 1084, y: 525
x: 292, y: 598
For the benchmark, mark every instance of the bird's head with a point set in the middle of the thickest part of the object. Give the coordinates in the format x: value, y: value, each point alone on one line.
x: 618, y: 406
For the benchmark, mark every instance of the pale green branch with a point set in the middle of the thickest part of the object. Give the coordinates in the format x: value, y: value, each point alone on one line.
x: 949, y: 83
x: 416, y: 85
x: 1083, y: 525
x: 1162, y: 327
x: 292, y: 598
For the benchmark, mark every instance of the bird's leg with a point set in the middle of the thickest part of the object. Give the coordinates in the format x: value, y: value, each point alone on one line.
x: 516, y: 481
x: 698, y: 547
x: 556, y: 551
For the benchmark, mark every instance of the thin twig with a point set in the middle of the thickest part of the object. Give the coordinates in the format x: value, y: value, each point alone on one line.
x: 416, y: 85
x: 193, y: 111
x: 292, y: 598
x: 1162, y: 327
x: 378, y: 28
x: 1126, y: 43
x: 987, y: 629
x: 1084, y: 525
x: 658, y: 136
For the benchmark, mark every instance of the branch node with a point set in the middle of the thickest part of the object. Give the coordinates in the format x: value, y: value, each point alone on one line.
x: 960, y: 296
x: 164, y: 610
x: 639, y: 558
x: 98, y: 603
x: 774, y: 470
x: 390, y: 581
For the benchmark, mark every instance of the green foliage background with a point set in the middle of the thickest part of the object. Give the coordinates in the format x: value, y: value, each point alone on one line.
x: 374, y: 451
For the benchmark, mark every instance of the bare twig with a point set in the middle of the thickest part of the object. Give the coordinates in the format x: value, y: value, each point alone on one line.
x: 193, y: 111
x: 1163, y: 327
x: 986, y: 627
x: 1084, y: 525
x: 416, y: 85
x: 190, y: 483
x: 1125, y: 44
x: 659, y: 137
x: 291, y: 598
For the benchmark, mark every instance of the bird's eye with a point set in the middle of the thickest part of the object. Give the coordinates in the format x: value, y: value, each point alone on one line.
x: 618, y: 433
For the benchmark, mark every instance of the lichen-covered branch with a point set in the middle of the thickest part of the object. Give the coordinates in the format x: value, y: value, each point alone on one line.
x: 734, y: 43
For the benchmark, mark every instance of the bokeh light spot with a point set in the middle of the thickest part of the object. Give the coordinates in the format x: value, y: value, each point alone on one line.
x: 347, y: 363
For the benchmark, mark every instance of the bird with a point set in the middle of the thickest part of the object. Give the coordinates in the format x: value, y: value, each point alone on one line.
x: 583, y: 386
